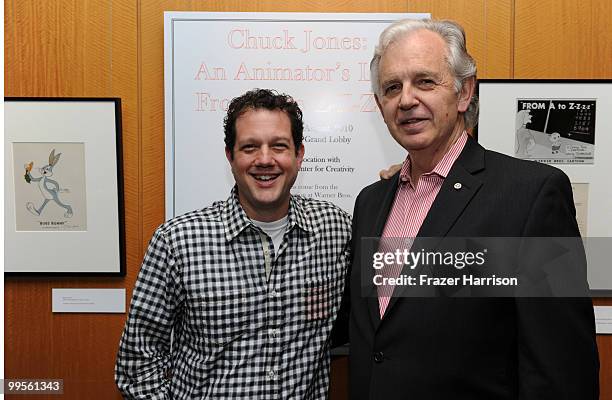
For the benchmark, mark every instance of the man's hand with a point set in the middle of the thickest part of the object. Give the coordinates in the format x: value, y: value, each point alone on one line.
x: 389, y: 172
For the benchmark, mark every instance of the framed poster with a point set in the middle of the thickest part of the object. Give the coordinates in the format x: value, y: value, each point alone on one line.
x: 567, y: 124
x: 320, y: 59
x: 63, y: 186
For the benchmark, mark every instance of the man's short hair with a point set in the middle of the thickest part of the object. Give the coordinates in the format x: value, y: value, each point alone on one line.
x: 263, y: 99
x: 460, y: 63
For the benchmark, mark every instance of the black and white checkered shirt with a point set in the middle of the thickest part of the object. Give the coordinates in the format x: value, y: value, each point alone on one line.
x: 234, y: 335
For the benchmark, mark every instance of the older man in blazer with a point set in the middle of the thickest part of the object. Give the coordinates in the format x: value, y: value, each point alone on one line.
x: 445, y: 347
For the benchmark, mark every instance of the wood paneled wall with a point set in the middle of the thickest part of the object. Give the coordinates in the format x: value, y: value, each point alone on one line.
x: 80, y: 48
x: 563, y: 39
x: 114, y: 48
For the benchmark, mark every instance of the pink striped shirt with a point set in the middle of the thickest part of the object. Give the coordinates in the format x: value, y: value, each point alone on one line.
x: 411, y: 205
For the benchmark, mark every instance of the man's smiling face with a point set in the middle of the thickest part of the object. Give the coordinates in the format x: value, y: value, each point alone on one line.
x: 264, y: 163
x: 417, y: 97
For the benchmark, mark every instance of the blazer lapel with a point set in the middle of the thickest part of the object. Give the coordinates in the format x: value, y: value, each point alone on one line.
x: 458, y: 188
x: 450, y: 203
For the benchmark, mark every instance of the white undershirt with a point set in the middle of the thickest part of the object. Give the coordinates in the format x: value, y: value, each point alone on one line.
x: 275, y: 230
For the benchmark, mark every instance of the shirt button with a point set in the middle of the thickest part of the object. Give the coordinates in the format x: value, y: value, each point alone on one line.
x: 273, y: 293
x: 274, y: 333
x: 272, y: 374
x: 378, y: 357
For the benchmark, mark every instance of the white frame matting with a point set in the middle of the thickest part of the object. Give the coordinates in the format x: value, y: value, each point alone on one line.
x: 97, y: 248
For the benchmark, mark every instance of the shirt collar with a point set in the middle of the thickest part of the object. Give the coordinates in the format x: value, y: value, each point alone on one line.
x: 298, y: 215
x: 235, y: 219
x: 444, y: 165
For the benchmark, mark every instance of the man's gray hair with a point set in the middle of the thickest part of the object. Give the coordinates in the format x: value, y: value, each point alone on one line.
x: 460, y: 63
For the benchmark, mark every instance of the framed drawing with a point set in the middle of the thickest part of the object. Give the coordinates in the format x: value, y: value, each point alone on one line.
x: 63, y: 186
x: 567, y: 124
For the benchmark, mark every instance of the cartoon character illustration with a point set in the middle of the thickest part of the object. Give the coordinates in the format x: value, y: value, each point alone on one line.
x: 48, y: 187
x: 525, y: 142
x: 556, y: 143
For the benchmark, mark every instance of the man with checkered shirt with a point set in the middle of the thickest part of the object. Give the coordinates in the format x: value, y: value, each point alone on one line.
x: 237, y: 300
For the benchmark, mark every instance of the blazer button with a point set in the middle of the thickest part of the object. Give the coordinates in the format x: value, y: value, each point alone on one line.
x: 379, y: 357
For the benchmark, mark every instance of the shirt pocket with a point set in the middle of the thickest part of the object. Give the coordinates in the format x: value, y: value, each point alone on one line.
x: 318, y: 300
x: 223, y: 317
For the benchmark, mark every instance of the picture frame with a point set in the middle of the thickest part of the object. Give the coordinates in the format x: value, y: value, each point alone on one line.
x: 565, y: 123
x: 63, y: 187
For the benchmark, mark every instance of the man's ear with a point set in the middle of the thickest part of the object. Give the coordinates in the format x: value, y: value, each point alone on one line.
x: 300, y: 155
x: 466, y: 93
x: 228, y: 154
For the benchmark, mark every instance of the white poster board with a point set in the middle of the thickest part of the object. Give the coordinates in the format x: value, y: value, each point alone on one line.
x: 322, y: 60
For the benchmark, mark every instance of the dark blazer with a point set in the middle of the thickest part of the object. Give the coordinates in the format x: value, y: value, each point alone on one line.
x: 474, y: 348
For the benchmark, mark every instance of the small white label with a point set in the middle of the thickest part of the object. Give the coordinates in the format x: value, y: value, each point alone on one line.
x: 88, y: 300
x: 603, y: 319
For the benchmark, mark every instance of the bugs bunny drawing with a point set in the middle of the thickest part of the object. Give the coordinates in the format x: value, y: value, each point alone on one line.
x: 48, y: 187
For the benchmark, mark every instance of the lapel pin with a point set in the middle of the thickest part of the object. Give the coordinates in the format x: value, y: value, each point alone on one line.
x: 457, y: 186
